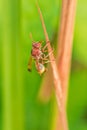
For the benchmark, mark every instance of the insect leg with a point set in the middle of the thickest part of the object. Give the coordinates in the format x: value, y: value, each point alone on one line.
x: 37, y: 64
x: 31, y: 37
x: 45, y: 56
x: 45, y: 60
x: 43, y: 49
x: 48, y: 61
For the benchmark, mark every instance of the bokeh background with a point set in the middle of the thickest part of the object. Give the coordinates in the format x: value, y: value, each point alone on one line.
x: 19, y: 107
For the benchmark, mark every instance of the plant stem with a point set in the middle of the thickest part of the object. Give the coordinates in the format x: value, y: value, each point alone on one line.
x: 65, y: 41
x: 56, y: 79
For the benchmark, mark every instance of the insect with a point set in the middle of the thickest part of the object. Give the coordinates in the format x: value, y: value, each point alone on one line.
x: 40, y: 68
x: 38, y: 53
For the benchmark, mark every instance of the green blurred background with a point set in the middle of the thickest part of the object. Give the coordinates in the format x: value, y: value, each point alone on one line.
x: 19, y: 107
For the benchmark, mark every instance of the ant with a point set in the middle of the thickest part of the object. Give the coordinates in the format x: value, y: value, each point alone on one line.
x: 39, y: 56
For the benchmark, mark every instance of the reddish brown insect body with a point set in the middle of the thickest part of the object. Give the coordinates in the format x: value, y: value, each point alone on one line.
x: 37, y: 45
x: 39, y: 56
x: 40, y: 68
x: 36, y: 50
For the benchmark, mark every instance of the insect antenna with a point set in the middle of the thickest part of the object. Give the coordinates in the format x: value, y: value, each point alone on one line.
x: 31, y: 37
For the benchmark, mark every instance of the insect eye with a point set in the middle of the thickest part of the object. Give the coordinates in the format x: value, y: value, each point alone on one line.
x: 36, y: 45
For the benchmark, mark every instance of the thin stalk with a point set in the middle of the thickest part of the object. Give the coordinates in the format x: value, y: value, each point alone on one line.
x: 65, y: 41
x: 56, y: 79
x: 65, y: 38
